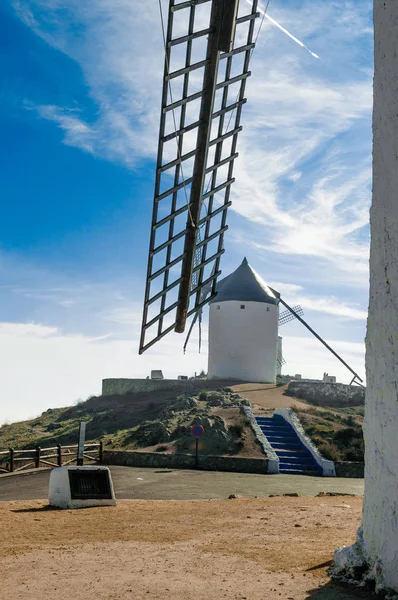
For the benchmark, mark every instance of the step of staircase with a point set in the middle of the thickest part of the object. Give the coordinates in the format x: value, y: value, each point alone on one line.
x: 296, y: 460
x: 285, y: 453
x: 286, y: 446
x: 294, y: 457
x: 300, y: 472
x: 270, y: 427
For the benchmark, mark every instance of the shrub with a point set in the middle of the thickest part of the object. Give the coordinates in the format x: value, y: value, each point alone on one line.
x: 354, y: 455
x: 325, y: 429
x: 202, y: 396
x: 329, y: 450
x: 236, y: 430
x: 330, y: 418
x: 346, y: 436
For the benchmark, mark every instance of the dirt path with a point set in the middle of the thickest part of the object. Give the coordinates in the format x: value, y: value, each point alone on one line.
x: 271, y: 548
x: 267, y: 396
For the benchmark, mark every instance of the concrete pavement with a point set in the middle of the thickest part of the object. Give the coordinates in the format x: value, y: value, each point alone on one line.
x: 168, y: 484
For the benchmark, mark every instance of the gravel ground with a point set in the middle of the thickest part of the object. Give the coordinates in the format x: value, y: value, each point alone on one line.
x: 245, y: 548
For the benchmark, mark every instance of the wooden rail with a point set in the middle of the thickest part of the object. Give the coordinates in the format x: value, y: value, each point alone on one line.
x: 49, y: 457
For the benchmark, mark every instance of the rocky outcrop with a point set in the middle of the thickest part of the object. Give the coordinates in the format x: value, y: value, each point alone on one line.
x: 149, y: 434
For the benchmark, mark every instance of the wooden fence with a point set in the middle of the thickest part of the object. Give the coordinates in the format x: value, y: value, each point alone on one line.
x: 47, y: 457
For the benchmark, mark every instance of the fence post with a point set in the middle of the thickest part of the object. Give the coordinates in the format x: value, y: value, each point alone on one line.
x: 101, y: 452
x: 12, y: 463
x: 59, y: 452
x: 37, y: 458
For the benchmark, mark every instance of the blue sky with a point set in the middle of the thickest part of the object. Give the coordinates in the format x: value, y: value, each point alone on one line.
x: 79, y: 107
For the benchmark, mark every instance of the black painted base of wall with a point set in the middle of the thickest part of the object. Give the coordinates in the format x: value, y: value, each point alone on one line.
x: 350, y: 469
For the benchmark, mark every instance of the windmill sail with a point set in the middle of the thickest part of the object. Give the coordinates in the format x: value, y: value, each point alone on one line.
x: 279, y: 359
x: 286, y: 316
x: 204, y: 83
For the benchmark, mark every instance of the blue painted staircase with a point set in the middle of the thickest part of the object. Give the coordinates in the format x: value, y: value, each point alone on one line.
x: 294, y: 458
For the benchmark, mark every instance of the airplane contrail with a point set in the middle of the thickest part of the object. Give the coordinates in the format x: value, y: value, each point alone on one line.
x: 300, y: 43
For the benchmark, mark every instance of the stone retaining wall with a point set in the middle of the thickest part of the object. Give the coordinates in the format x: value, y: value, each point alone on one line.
x: 131, y: 458
x: 327, y: 394
x: 350, y: 469
x: 123, y: 386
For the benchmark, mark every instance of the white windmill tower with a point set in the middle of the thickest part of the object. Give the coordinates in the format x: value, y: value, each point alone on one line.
x: 243, y: 328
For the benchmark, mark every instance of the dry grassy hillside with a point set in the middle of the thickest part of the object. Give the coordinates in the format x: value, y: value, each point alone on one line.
x: 113, y: 418
x: 157, y: 420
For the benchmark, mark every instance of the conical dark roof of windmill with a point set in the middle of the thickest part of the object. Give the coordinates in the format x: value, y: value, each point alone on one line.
x: 245, y: 285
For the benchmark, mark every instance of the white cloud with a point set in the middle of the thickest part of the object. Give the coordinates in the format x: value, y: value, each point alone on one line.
x: 295, y: 176
x: 107, y: 39
x: 332, y: 306
x: 43, y: 367
x: 77, y: 133
x: 294, y: 294
x: 308, y: 357
x: 28, y: 330
x: 124, y: 315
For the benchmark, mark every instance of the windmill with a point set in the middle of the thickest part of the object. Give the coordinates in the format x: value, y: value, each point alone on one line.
x: 208, y: 46
x: 244, y: 278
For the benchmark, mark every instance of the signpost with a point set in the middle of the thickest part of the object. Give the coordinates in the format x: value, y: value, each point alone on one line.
x: 197, y: 431
x: 80, y: 447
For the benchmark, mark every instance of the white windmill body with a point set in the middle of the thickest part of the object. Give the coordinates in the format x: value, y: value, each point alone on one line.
x: 243, y: 328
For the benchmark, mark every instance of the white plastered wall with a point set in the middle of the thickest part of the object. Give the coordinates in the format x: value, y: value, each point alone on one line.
x: 243, y: 342
x: 377, y: 547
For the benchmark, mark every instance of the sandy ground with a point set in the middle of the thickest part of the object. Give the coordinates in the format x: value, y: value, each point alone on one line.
x: 236, y: 549
x: 265, y: 396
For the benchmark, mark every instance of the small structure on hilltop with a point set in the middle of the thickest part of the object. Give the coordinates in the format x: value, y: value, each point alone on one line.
x: 157, y: 374
x: 328, y: 378
x: 243, y: 328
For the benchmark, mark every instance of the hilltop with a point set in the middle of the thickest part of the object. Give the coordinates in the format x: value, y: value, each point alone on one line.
x: 160, y: 420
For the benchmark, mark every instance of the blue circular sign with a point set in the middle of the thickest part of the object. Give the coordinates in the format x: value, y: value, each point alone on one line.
x: 197, y: 431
